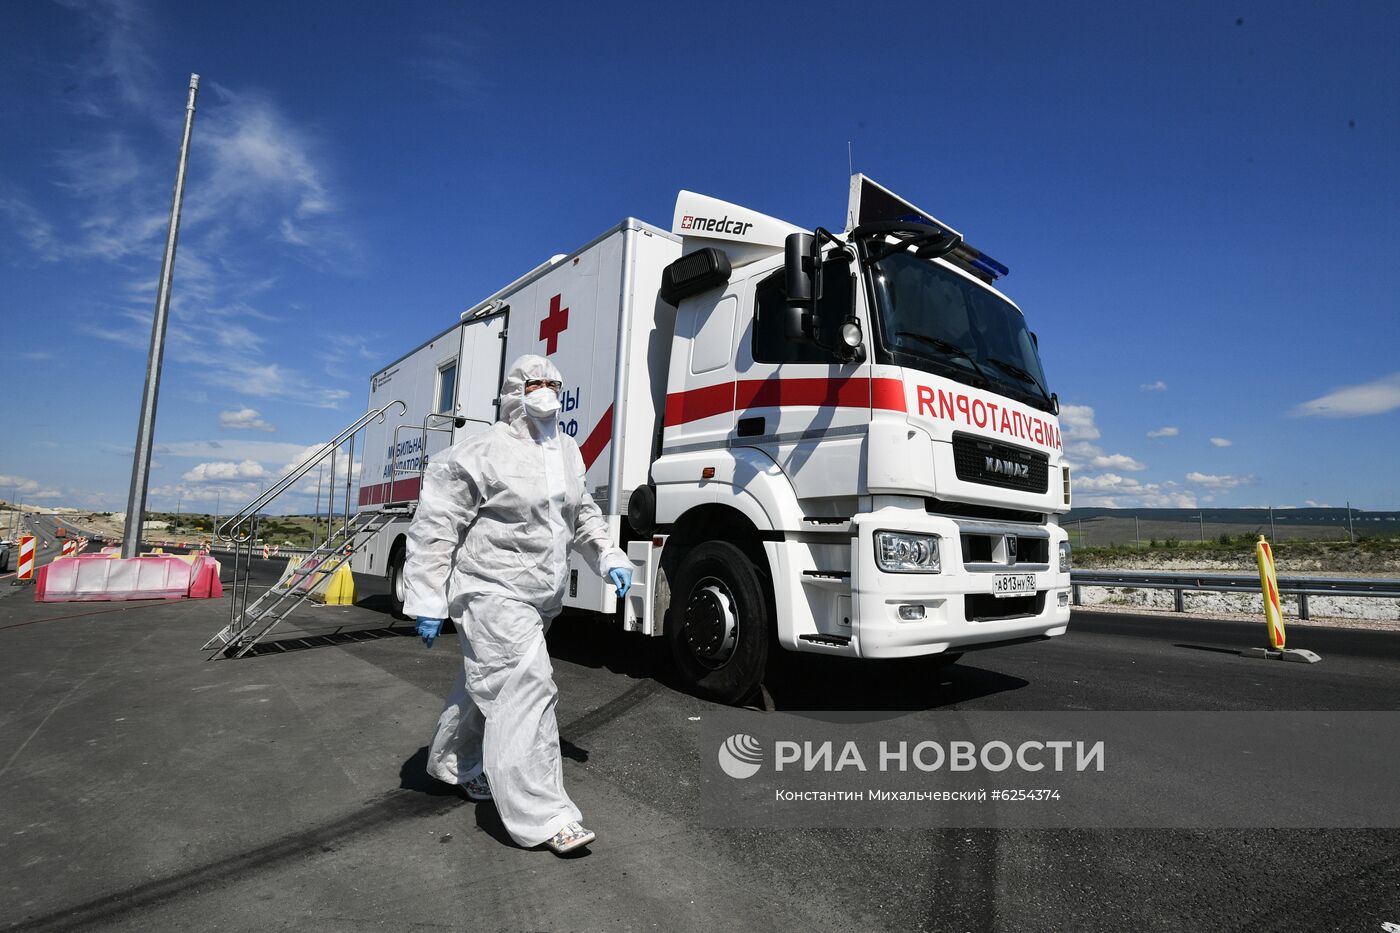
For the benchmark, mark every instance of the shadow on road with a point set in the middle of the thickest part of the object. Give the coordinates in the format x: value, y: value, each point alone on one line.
x: 326, y: 640
x: 793, y: 681
x: 1215, y: 649
x: 805, y: 682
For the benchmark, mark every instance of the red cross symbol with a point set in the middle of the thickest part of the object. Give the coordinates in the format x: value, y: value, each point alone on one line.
x: 553, y: 325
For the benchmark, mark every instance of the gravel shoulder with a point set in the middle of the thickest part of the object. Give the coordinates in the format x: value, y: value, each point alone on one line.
x: 1310, y: 561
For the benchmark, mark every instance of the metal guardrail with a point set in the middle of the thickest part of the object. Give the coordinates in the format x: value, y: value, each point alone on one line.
x: 1180, y: 583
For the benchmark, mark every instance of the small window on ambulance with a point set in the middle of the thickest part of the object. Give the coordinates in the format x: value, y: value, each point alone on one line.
x: 712, y: 343
x: 446, y: 388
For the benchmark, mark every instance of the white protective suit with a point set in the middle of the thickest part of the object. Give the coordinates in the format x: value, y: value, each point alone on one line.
x: 488, y: 546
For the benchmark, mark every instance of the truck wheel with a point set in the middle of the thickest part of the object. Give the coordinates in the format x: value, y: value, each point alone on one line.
x: 396, y: 584
x: 719, y: 623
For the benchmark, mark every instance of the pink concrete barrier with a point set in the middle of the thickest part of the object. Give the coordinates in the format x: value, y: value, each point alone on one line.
x: 206, y: 583
x: 98, y: 577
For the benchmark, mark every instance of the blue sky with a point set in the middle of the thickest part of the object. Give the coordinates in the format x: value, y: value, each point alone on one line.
x: 1198, y: 204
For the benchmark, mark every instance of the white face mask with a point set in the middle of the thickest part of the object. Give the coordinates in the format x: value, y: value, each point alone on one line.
x: 542, y: 403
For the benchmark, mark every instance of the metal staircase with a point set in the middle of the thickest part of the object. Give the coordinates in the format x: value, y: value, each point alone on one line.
x: 249, y: 624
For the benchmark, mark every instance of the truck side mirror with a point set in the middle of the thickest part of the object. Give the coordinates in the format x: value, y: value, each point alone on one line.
x: 797, y: 269
x: 802, y: 281
x: 797, y: 323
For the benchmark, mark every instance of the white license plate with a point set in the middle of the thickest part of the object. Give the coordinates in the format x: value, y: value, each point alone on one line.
x: 1013, y: 584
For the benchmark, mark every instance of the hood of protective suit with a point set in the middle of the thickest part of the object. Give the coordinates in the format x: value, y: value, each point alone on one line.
x: 521, y: 371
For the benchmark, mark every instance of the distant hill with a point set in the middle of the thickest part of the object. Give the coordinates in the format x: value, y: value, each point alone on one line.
x: 1321, y: 516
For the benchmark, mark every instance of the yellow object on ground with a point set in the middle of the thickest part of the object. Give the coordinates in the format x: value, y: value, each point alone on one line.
x: 1268, y: 582
x: 338, y: 590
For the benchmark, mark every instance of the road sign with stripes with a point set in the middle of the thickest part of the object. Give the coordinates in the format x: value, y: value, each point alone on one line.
x: 1268, y: 582
x: 26, y: 557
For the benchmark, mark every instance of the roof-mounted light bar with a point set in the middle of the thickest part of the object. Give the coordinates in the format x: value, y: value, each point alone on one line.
x: 980, y: 261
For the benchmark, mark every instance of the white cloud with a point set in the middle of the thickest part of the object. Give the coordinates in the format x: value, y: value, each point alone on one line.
x: 264, y: 452
x: 1369, y: 398
x: 119, y: 67
x: 225, y: 470
x: 1164, y: 432
x: 1315, y: 505
x: 37, y: 232
x: 265, y: 173
x: 244, y: 419
x: 1080, y: 430
x: 1158, y: 386
x: 227, y: 496
x: 1114, y: 491
x: 1106, y: 481
x: 23, y: 488
x: 1077, y: 422
x: 1116, y: 462
x: 1221, y: 441
x: 1214, y: 481
x: 264, y: 182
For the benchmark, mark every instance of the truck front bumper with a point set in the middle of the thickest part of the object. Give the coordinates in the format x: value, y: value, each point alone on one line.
x: 958, y: 607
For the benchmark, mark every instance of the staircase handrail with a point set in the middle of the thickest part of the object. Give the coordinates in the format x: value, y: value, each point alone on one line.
x: 224, y: 532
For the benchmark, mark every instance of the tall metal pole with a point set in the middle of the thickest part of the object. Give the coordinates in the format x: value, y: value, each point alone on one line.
x: 1202, y: 517
x: 330, y: 498
x: 349, y: 470
x: 1137, y: 531
x: 145, y: 430
x: 1351, y: 532
x: 1273, y: 535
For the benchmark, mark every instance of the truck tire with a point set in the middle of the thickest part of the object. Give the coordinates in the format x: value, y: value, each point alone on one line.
x: 719, y: 623
x: 394, y: 576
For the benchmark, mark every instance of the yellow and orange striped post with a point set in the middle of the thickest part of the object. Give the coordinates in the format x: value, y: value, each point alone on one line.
x: 26, y: 557
x: 1268, y: 582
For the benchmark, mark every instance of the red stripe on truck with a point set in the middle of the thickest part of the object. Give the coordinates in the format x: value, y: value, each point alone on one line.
x: 405, y: 490
x: 694, y: 404
x: 854, y: 392
x: 597, y: 439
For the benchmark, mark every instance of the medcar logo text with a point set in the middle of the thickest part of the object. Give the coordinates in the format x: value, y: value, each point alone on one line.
x: 722, y: 225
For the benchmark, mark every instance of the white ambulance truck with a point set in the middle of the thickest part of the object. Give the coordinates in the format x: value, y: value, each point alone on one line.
x: 840, y: 444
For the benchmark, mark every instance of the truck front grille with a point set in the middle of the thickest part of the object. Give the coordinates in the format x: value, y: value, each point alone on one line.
x: 981, y: 461
x: 984, y: 607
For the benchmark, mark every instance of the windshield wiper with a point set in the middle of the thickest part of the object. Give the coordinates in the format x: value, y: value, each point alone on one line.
x: 1021, y: 374
x: 948, y: 347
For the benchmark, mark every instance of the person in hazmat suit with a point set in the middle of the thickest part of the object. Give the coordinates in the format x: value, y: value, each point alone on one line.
x: 497, y: 516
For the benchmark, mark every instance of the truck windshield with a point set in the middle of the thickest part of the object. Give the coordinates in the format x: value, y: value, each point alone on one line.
x: 933, y: 319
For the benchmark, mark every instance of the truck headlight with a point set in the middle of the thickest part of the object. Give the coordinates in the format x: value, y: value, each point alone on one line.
x: 1066, y: 563
x: 905, y: 553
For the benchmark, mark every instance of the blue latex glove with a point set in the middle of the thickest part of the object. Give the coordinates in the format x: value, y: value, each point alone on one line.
x: 622, y: 579
x: 428, y: 629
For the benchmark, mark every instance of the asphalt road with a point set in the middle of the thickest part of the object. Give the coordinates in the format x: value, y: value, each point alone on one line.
x: 146, y: 788
x: 49, y: 545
